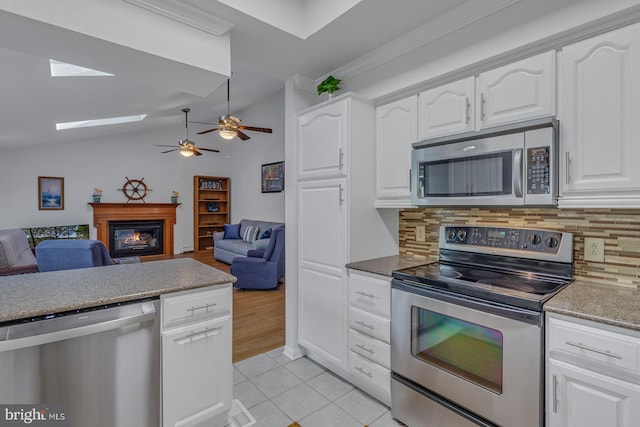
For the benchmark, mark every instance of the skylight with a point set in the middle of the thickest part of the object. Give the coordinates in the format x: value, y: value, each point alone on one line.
x: 99, y: 122
x: 62, y: 69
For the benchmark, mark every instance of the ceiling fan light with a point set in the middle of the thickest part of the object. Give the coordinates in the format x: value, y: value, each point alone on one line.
x: 186, y: 153
x: 228, y: 133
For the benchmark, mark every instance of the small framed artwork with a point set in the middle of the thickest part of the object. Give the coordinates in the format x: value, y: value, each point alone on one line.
x: 273, y: 177
x: 50, y: 193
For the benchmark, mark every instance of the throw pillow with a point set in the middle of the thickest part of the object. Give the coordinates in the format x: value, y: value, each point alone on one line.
x: 250, y: 234
x: 266, y: 234
x: 231, y: 231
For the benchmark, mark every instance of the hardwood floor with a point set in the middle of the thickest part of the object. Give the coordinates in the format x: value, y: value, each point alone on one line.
x: 258, y: 316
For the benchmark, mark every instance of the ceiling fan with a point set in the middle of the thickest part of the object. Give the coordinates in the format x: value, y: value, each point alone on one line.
x: 229, y: 126
x: 187, y: 148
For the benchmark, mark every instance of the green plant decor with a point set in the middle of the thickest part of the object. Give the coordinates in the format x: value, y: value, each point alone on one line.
x: 329, y: 85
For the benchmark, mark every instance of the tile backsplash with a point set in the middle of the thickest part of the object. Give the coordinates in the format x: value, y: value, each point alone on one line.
x: 619, y: 227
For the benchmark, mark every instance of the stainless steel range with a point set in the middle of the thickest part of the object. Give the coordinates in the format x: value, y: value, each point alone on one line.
x: 467, y: 339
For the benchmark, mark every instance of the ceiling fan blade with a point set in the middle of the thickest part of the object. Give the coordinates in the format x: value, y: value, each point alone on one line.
x: 265, y: 130
x: 197, y: 153
x: 207, y: 131
x: 242, y: 136
x: 209, y: 149
x: 168, y: 151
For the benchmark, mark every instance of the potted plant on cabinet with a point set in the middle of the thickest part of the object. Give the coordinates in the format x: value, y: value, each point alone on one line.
x: 328, y: 86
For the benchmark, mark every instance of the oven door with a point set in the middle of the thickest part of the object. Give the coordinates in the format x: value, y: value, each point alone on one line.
x: 483, y: 358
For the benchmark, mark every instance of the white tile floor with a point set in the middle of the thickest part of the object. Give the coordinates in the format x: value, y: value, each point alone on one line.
x: 278, y: 391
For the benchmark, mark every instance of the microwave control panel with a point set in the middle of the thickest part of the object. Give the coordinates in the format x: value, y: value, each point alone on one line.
x: 538, y: 167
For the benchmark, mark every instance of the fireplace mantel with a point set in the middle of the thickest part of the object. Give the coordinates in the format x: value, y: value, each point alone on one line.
x: 105, y: 212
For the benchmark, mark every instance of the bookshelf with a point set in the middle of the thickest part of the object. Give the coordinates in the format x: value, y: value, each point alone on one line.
x: 211, y: 207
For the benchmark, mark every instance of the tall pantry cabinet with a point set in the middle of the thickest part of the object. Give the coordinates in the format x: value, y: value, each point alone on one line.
x: 337, y: 220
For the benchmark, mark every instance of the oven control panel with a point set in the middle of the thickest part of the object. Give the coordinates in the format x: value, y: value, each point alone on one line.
x: 537, y: 241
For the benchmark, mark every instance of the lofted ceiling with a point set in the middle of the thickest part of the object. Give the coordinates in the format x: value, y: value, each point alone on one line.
x: 267, y: 45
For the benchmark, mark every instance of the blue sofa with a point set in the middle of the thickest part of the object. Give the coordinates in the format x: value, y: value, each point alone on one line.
x: 226, y: 250
x: 263, y: 268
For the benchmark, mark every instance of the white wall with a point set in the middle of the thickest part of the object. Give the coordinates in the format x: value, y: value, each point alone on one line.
x: 247, y: 199
x: 105, y: 163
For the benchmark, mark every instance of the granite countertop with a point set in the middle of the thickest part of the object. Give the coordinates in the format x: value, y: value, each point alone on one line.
x: 385, y: 265
x: 29, y: 295
x: 608, y: 304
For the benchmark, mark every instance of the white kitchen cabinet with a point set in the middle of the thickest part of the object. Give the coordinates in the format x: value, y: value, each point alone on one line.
x: 518, y: 91
x: 322, y: 142
x: 600, y: 103
x: 515, y: 92
x: 447, y: 109
x: 396, y: 131
x: 592, y: 375
x: 322, y: 282
x: 196, y: 357
x: 369, y: 335
x: 337, y: 223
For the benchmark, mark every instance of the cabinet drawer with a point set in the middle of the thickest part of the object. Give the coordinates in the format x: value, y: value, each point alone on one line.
x: 590, y: 343
x: 370, y: 348
x: 370, y: 324
x: 368, y: 372
x: 370, y: 293
x: 195, y: 306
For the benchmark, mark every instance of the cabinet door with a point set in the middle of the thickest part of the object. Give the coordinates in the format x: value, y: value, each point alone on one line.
x: 322, y: 145
x: 600, y: 106
x: 322, y: 284
x: 577, y: 397
x: 522, y: 90
x: 197, y: 374
x: 396, y: 130
x: 447, y: 109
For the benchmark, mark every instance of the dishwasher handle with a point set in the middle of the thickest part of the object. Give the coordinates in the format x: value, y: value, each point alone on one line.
x: 46, y: 331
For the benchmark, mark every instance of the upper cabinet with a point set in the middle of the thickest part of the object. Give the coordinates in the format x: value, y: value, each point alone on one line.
x: 396, y: 131
x: 520, y: 91
x: 600, y: 101
x: 515, y: 92
x: 323, y: 138
x: 448, y: 109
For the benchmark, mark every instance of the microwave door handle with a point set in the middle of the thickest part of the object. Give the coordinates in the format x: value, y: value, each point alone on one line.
x: 517, y: 176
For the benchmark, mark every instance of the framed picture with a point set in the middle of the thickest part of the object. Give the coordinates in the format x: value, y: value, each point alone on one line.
x: 50, y: 193
x: 273, y: 177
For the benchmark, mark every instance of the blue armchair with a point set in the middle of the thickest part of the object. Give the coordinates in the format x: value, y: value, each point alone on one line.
x: 261, y: 269
x: 54, y: 255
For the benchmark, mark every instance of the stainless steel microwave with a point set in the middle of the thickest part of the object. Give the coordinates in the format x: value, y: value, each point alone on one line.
x: 513, y: 165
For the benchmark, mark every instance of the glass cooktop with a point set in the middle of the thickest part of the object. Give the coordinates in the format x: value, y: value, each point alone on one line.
x: 521, y: 289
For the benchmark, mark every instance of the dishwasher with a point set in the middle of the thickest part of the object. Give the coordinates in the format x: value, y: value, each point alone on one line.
x: 100, y: 366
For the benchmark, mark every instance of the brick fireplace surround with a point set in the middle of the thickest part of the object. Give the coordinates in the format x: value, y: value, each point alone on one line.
x: 105, y: 212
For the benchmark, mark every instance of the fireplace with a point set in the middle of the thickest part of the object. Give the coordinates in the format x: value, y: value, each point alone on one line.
x: 164, y: 213
x: 141, y: 238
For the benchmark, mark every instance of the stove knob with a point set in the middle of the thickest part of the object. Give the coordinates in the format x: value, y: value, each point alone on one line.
x: 451, y: 234
x: 462, y: 234
x: 535, y: 239
x: 551, y: 242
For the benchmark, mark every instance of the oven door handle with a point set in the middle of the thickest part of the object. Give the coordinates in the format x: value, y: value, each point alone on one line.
x: 515, y: 313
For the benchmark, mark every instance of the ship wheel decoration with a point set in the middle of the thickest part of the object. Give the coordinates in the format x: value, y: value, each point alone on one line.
x: 135, y: 189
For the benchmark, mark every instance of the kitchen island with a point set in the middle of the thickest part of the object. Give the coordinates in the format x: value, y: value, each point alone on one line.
x: 31, y: 295
x: 134, y: 344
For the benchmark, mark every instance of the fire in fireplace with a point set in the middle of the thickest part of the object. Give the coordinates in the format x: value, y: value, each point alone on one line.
x: 127, y: 238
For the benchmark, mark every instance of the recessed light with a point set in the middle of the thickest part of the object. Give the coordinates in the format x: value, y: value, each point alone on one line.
x: 99, y: 122
x: 62, y: 69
